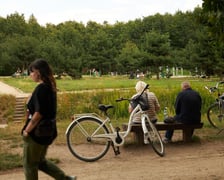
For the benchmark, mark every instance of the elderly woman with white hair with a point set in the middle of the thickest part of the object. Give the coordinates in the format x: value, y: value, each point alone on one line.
x: 154, y: 105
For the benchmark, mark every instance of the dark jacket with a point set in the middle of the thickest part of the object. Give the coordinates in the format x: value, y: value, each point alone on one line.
x: 188, y: 107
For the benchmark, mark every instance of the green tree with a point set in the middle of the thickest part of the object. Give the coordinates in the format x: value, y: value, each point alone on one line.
x: 17, y: 52
x: 34, y: 29
x: 129, y: 58
x: 15, y: 24
x: 201, y: 54
x: 100, y: 49
x: 214, y: 11
x: 157, y: 47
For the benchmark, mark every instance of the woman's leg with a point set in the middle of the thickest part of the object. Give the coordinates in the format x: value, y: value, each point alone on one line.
x: 50, y: 168
x: 30, y: 158
x: 34, y: 159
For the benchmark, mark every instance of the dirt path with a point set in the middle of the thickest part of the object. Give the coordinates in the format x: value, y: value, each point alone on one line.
x: 192, y: 161
x: 6, y: 89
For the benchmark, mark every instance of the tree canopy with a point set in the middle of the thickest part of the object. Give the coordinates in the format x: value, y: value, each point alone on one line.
x: 188, y: 40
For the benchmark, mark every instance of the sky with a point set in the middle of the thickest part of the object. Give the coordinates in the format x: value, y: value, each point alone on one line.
x: 112, y: 11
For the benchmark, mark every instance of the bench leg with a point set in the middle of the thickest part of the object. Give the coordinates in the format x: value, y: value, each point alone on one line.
x: 187, y: 135
x: 139, y: 137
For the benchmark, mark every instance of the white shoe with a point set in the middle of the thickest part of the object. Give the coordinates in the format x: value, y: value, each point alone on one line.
x: 71, y: 177
x: 166, y: 140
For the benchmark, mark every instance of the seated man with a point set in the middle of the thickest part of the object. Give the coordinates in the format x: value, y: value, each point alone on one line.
x: 187, y: 107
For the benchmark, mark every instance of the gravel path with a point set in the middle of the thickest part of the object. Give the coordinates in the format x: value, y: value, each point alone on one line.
x: 192, y: 161
x: 6, y: 89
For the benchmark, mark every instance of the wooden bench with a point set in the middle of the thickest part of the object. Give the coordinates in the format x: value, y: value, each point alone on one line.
x: 161, y: 126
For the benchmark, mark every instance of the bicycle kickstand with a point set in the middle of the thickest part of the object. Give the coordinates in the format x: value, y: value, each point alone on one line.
x: 116, y: 149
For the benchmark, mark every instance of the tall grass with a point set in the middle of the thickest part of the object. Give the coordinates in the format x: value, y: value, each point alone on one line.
x: 87, y: 102
x: 7, y: 104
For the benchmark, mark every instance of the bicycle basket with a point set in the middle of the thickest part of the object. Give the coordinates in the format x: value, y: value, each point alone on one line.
x: 142, y: 100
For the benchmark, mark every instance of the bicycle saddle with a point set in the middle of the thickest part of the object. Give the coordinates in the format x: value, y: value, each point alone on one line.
x: 104, y: 108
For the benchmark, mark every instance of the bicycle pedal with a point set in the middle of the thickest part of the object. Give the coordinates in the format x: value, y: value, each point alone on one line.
x: 117, y: 153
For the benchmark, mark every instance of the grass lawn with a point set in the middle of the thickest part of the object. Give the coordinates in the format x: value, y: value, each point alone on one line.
x: 106, y: 82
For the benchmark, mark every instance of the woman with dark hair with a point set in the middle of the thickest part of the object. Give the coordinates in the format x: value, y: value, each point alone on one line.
x: 40, y: 129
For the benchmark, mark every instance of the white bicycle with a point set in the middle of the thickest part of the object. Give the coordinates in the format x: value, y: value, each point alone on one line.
x: 89, y: 136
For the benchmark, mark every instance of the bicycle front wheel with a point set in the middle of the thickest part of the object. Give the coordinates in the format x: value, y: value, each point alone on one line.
x: 81, y: 141
x: 215, y: 116
x: 155, y: 138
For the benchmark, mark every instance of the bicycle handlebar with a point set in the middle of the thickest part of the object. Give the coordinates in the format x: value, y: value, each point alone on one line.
x: 211, y: 89
x: 215, y: 88
x: 123, y: 99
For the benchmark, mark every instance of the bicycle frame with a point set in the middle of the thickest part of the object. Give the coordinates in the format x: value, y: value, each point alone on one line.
x: 215, y: 118
x: 107, y: 122
x: 220, y: 98
x: 99, y: 133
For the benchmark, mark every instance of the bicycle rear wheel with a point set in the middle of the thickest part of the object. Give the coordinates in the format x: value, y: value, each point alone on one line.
x: 215, y: 116
x: 81, y: 141
x: 154, y: 138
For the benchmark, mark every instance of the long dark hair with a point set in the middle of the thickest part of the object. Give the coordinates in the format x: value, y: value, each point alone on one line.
x: 46, y: 72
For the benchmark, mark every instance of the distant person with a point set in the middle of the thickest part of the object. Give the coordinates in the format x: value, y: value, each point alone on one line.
x: 187, y: 108
x: 152, y: 100
x: 131, y: 76
x: 18, y: 71
x: 40, y: 128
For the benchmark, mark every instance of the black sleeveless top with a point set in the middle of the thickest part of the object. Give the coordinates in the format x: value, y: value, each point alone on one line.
x: 44, y: 101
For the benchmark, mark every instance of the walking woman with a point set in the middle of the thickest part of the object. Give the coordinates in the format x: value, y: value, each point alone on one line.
x: 40, y: 128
